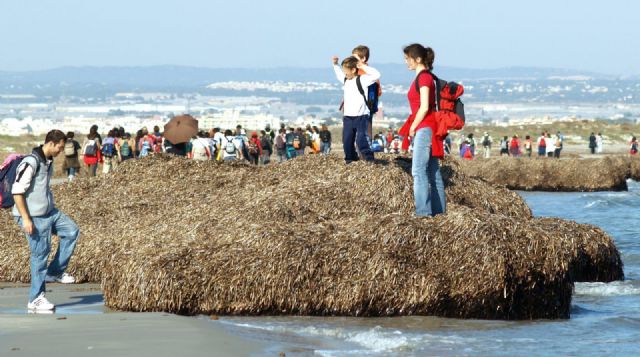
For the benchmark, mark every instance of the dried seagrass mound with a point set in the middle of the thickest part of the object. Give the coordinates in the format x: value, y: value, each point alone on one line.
x: 467, y: 264
x: 174, y: 208
x: 601, y: 174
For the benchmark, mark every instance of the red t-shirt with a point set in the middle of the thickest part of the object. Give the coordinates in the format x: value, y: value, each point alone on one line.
x: 426, y: 80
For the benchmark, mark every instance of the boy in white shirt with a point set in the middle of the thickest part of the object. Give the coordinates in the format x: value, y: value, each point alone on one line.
x: 356, y: 107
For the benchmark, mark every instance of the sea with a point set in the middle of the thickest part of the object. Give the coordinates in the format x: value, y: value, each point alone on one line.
x: 605, y: 317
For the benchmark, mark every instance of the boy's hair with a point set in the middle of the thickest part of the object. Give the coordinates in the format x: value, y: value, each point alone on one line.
x: 228, y: 132
x: 362, y: 51
x: 70, y: 135
x: 55, y: 136
x: 350, y: 63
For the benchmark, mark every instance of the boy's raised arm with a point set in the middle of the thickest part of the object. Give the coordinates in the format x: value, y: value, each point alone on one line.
x: 371, y: 75
x: 337, y: 70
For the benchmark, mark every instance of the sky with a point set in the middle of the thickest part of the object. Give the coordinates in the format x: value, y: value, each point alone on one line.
x: 598, y: 36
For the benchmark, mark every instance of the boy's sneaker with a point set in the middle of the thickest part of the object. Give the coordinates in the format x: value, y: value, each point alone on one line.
x: 63, y: 278
x: 41, y: 304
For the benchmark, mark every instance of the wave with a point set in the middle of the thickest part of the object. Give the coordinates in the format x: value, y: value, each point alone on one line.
x: 616, y: 288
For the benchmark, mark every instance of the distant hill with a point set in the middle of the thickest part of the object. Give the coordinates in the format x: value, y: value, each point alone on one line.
x: 158, y: 77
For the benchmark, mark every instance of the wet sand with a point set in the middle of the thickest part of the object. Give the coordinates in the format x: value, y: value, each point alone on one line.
x: 82, y: 326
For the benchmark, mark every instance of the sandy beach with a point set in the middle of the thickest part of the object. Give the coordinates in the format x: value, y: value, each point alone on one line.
x: 82, y: 326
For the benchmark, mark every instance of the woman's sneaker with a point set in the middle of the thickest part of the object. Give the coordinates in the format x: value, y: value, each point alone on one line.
x: 63, y: 278
x: 41, y: 304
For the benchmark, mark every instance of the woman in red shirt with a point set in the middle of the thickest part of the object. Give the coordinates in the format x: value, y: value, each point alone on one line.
x: 428, y: 186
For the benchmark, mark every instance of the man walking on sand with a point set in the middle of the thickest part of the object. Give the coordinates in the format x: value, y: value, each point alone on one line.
x: 35, y: 212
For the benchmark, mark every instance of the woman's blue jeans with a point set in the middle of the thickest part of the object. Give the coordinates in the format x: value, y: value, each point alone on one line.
x: 428, y: 186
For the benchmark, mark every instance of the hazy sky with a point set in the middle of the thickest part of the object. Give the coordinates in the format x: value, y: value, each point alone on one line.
x: 600, y: 36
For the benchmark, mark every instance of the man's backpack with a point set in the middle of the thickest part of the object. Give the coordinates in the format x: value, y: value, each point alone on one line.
x: 280, y: 142
x: 324, y: 136
x: 449, y: 107
x: 296, y: 142
x: 91, y: 148
x: 504, y: 144
x: 266, y: 143
x: 125, y: 149
x: 108, y: 150
x: 252, y: 148
x: 230, y: 147
x: 542, y: 142
x: 8, y: 173
x: 70, y: 148
x: 486, y: 141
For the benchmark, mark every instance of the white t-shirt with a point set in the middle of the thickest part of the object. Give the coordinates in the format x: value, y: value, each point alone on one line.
x: 551, y: 144
x: 201, y: 149
x: 354, y: 104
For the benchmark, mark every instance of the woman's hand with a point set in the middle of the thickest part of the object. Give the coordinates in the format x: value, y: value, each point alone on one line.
x: 335, y: 60
x: 412, y: 131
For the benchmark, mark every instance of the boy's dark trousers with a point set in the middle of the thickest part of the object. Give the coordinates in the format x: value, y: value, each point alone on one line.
x: 354, y: 131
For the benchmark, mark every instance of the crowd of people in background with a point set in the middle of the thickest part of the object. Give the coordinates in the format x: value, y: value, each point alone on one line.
x: 258, y: 147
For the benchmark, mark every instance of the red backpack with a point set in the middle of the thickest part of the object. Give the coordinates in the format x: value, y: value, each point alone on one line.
x: 449, y: 108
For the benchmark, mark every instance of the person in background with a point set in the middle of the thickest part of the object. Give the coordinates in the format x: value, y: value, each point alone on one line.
x: 447, y: 144
x: 71, y: 163
x: 528, y: 145
x: 230, y: 147
x: 599, y: 143
x: 633, y: 146
x: 266, y: 145
x: 558, y: 146
x: 514, y: 146
x: 504, y: 146
x: 466, y: 151
x: 35, y: 212
x: 472, y: 143
x: 270, y: 132
x: 280, y: 145
x: 157, y: 139
x: 109, y: 152
x: 216, y: 138
x: 91, y: 152
x: 147, y: 143
x: 551, y: 145
x: 137, y: 139
x: 292, y: 141
x: 325, y: 140
x: 300, y: 138
x: 315, y: 140
x: 592, y: 143
x: 254, y: 149
x: 486, y: 145
x: 201, y: 149
x: 126, y: 146
x: 542, y: 145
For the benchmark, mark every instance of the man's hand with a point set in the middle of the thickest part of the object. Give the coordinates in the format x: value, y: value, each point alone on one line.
x: 335, y: 59
x: 27, y: 224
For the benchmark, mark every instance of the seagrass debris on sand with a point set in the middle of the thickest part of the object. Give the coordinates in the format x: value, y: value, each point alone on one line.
x: 545, y: 174
x: 201, y: 223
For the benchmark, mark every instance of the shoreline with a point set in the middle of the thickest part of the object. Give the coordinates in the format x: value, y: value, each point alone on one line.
x: 82, y: 324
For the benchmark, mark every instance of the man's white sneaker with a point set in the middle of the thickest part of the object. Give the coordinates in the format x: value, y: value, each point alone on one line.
x: 41, y: 304
x: 64, y: 278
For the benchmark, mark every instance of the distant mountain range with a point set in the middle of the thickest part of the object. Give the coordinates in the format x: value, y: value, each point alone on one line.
x: 159, y: 77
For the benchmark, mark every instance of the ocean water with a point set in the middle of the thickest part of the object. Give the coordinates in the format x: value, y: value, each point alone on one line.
x: 605, y: 318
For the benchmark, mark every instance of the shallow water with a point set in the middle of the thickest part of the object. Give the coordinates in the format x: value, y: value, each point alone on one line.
x: 605, y: 318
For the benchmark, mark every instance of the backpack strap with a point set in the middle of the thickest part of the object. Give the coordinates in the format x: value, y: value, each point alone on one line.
x: 436, y: 81
x: 361, y: 90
